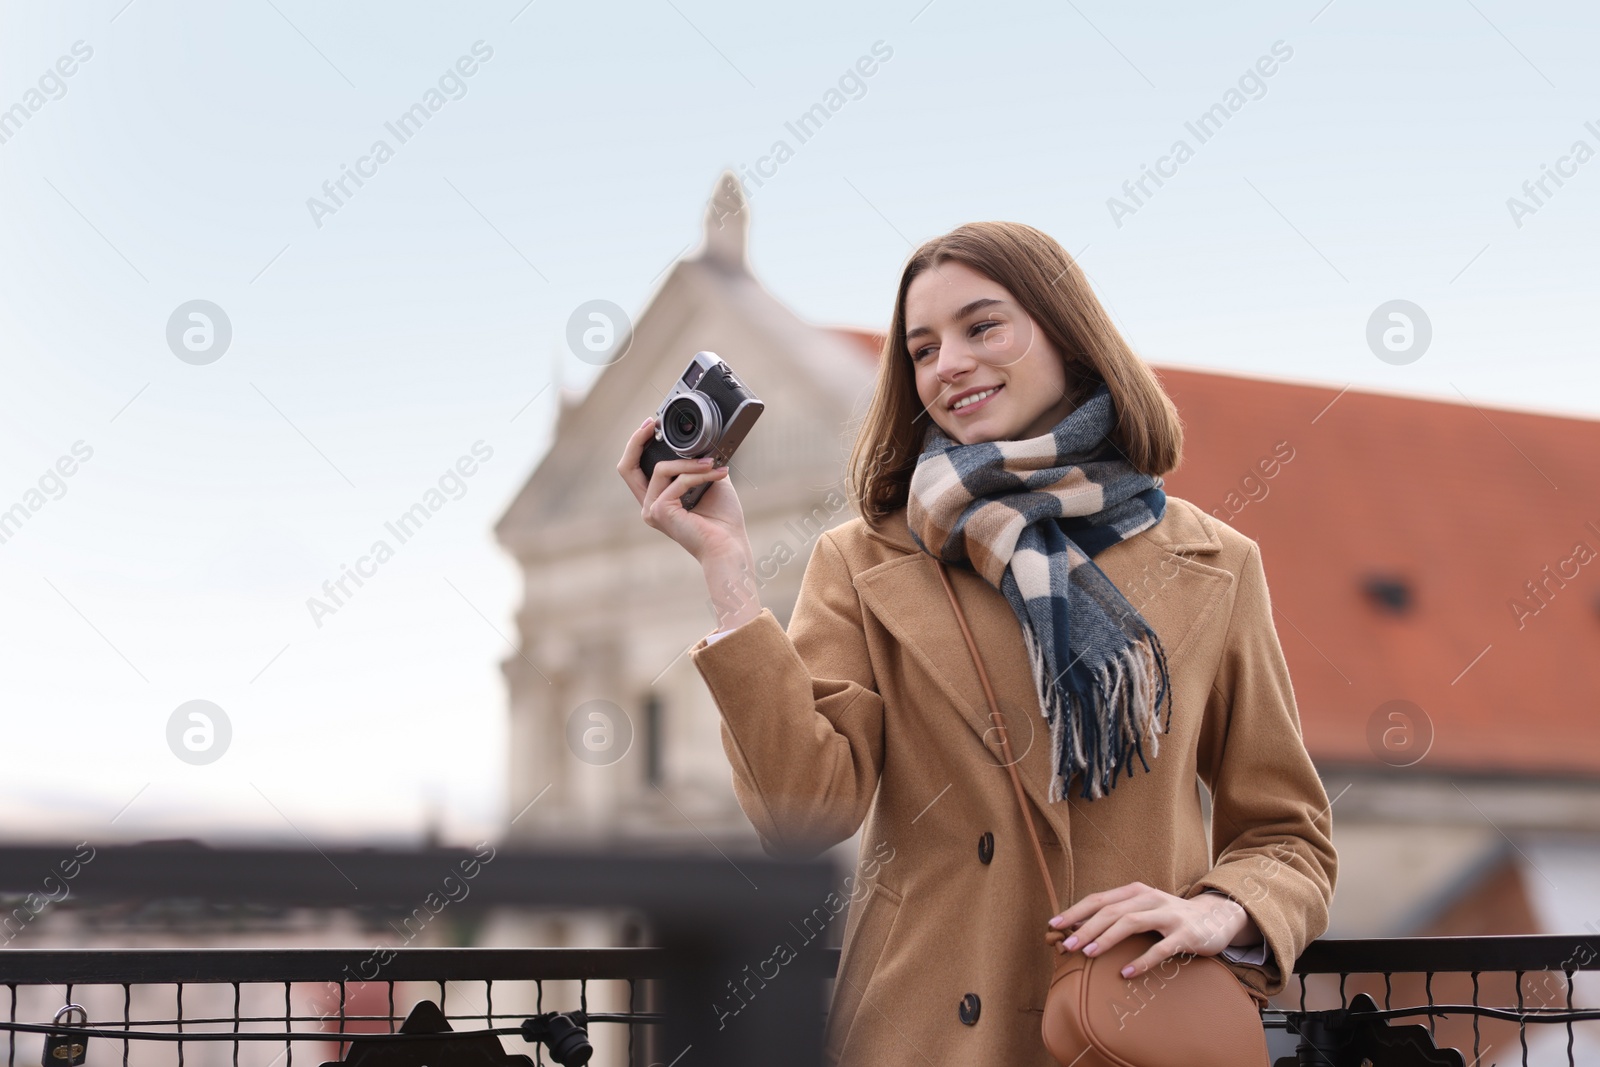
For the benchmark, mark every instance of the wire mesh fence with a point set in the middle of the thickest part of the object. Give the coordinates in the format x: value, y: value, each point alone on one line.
x: 1493, y: 1000
x: 276, y: 1008
x: 706, y: 918
x: 1385, y: 1002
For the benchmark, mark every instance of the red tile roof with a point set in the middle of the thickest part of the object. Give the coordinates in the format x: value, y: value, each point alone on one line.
x: 867, y: 343
x: 1458, y: 507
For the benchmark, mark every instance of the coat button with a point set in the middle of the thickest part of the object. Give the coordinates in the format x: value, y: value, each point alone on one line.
x: 985, y: 847
x: 970, y: 1007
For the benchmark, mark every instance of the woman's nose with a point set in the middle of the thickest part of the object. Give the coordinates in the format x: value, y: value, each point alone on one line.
x: 955, y: 361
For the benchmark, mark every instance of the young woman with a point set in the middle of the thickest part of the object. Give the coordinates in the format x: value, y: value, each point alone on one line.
x: 1128, y: 634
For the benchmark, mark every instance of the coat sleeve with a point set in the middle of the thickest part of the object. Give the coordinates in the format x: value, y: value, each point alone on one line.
x: 802, y: 721
x: 1270, y: 817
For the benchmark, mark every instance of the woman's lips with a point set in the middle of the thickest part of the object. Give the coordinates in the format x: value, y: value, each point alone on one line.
x: 979, y: 406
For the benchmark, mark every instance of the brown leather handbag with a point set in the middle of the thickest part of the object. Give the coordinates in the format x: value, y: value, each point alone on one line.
x: 1184, y: 1012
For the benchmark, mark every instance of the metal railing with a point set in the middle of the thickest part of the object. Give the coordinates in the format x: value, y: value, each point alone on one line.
x: 255, y: 1007
x: 1392, y: 1001
x: 708, y: 919
x: 1389, y: 1002
x: 1359, y: 1001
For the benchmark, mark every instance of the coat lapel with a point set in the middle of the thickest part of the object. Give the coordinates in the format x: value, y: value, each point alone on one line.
x: 1159, y: 571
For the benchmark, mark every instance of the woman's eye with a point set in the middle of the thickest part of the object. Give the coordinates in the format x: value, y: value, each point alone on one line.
x: 977, y: 328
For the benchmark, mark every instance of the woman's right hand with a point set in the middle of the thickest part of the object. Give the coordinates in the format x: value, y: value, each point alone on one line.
x: 714, y: 529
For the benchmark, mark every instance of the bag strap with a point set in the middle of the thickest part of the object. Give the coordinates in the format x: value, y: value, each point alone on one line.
x: 1005, y: 744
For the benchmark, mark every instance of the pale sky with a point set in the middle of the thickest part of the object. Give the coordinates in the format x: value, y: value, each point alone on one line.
x: 377, y: 340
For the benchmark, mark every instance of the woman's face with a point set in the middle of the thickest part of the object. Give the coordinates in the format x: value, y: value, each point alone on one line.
x: 967, y: 335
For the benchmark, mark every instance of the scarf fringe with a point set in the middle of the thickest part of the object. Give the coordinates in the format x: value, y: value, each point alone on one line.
x: 1134, y: 685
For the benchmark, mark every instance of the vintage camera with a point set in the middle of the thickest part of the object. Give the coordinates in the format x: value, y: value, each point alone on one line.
x: 707, y: 413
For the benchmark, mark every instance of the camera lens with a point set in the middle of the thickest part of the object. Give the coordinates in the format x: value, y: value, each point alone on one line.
x: 691, y: 425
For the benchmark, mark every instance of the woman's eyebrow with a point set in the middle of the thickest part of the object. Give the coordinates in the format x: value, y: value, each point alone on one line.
x: 967, y: 309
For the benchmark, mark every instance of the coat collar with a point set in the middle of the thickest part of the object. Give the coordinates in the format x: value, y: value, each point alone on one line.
x: 904, y: 593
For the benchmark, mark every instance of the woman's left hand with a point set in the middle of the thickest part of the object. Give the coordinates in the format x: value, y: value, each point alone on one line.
x: 1202, y: 926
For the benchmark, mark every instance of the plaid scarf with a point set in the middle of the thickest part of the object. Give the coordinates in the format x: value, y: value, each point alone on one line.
x: 1029, y: 516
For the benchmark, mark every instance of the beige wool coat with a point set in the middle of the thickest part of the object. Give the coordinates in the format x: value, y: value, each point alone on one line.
x: 869, y: 708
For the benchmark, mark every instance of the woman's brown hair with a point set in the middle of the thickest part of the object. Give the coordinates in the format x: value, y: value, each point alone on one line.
x: 1052, y: 289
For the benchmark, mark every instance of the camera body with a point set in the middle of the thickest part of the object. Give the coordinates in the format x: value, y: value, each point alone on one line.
x: 708, y: 413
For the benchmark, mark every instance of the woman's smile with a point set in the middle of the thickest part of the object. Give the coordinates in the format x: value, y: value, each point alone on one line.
x: 973, y: 402
x: 967, y: 406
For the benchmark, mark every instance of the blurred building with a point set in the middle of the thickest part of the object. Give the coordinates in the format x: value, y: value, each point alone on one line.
x: 1433, y: 567
x: 607, y: 713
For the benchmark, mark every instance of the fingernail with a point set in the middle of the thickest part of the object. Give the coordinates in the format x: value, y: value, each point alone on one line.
x: 1056, y: 922
x: 1089, y: 949
x: 1072, y: 942
x: 704, y: 461
x: 643, y: 424
x: 1127, y: 972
